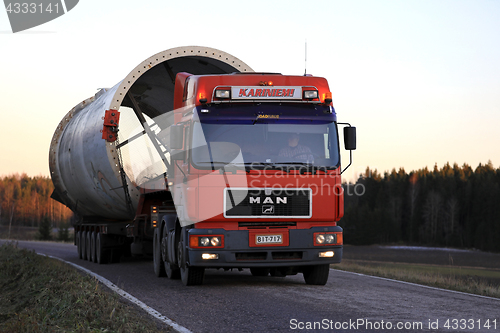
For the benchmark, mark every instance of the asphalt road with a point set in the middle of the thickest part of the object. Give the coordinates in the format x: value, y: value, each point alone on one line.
x: 238, y: 302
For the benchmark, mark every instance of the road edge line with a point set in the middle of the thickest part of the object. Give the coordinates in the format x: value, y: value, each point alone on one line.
x: 417, y: 285
x: 176, y: 327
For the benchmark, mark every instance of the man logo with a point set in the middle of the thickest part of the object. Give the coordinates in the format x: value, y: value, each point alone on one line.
x: 269, y: 200
x: 268, y: 209
x: 26, y: 15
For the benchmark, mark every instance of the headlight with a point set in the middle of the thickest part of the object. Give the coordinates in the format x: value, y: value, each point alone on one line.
x: 215, y: 241
x: 327, y: 238
x: 320, y: 239
x: 204, y: 241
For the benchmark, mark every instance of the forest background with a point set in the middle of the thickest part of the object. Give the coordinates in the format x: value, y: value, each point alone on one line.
x: 453, y: 206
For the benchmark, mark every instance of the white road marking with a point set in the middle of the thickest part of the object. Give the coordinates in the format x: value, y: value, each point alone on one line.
x: 178, y: 328
x: 417, y: 285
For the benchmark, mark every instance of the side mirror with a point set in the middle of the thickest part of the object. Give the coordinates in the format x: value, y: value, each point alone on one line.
x: 350, y: 138
x: 176, y: 136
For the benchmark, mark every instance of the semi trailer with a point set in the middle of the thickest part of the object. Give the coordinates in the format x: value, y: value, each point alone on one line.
x: 203, y: 163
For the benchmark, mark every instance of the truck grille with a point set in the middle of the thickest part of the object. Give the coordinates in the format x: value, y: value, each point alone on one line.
x: 267, y: 203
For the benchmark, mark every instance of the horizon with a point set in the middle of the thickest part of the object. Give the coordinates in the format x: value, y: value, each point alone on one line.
x: 344, y: 180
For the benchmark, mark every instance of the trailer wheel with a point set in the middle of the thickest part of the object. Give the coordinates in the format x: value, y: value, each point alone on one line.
x: 172, y: 270
x: 93, y: 257
x: 78, y: 244
x: 101, y: 254
x: 83, y: 243
x: 87, y: 245
x: 317, y: 275
x: 159, y: 267
x: 190, y: 276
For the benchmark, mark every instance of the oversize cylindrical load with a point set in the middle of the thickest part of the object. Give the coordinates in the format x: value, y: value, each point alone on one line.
x: 100, y: 153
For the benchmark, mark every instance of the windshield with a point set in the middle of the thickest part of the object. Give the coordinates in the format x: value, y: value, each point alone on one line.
x: 260, y: 145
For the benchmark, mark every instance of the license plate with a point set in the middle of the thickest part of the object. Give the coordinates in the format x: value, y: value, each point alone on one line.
x: 268, y: 239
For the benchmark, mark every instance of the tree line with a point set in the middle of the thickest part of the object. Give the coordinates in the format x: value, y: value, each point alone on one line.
x: 25, y: 201
x: 451, y: 206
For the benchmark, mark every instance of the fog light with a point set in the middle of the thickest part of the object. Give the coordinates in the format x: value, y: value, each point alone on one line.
x: 209, y: 256
x: 327, y: 254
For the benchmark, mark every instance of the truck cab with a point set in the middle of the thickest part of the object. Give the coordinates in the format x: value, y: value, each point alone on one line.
x: 255, y: 177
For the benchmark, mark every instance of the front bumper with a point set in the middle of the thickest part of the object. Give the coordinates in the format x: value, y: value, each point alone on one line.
x: 237, y: 253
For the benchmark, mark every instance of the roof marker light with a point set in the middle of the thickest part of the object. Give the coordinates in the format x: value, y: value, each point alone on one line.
x: 328, y: 98
x: 202, y: 98
x: 310, y: 94
x: 223, y: 94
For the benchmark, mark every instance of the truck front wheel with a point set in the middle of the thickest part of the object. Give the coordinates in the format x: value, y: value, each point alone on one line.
x: 190, y: 276
x: 159, y: 267
x: 316, y: 275
x: 172, y: 270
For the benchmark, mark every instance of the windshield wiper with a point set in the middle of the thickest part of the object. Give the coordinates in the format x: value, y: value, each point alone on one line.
x: 227, y: 166
x: 303, y: 167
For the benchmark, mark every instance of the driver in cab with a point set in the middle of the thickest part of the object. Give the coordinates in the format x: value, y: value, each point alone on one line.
x: 295, y: 150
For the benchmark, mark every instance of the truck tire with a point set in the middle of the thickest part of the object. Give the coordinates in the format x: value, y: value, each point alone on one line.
x: 78, y: 244
x: 158, y: 265
x: 93, y: 257
x: 317, y: 275
x: 258, y: 271
x: 101, y: 254
x: 83, y: 242
x: 172, y: 270
x: 87, y: 245
x: 190, y: 276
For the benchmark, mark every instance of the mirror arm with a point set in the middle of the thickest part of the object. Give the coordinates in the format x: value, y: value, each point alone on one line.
x: 350, y: 162
x: 350, y: 151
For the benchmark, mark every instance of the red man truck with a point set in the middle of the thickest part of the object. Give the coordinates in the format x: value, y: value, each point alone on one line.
x: 243, y: 173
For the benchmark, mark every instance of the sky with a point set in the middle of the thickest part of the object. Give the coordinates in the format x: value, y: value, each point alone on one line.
x: 419, y: 79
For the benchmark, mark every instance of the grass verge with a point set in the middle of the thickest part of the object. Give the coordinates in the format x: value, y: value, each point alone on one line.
x: 468, y: 279
x: 40, y: 294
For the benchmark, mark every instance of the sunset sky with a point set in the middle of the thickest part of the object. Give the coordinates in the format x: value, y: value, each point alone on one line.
x: 419, y: 79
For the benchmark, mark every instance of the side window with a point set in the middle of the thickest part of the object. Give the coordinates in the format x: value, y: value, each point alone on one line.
x: 189, y: 89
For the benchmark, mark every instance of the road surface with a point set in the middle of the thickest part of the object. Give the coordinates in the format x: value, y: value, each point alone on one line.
x: 238, y: 302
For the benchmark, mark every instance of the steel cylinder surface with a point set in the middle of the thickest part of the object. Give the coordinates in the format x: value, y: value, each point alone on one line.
x: 99, y: 177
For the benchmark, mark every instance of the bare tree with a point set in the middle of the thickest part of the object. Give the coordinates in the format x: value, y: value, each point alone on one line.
x: 10, y: 203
